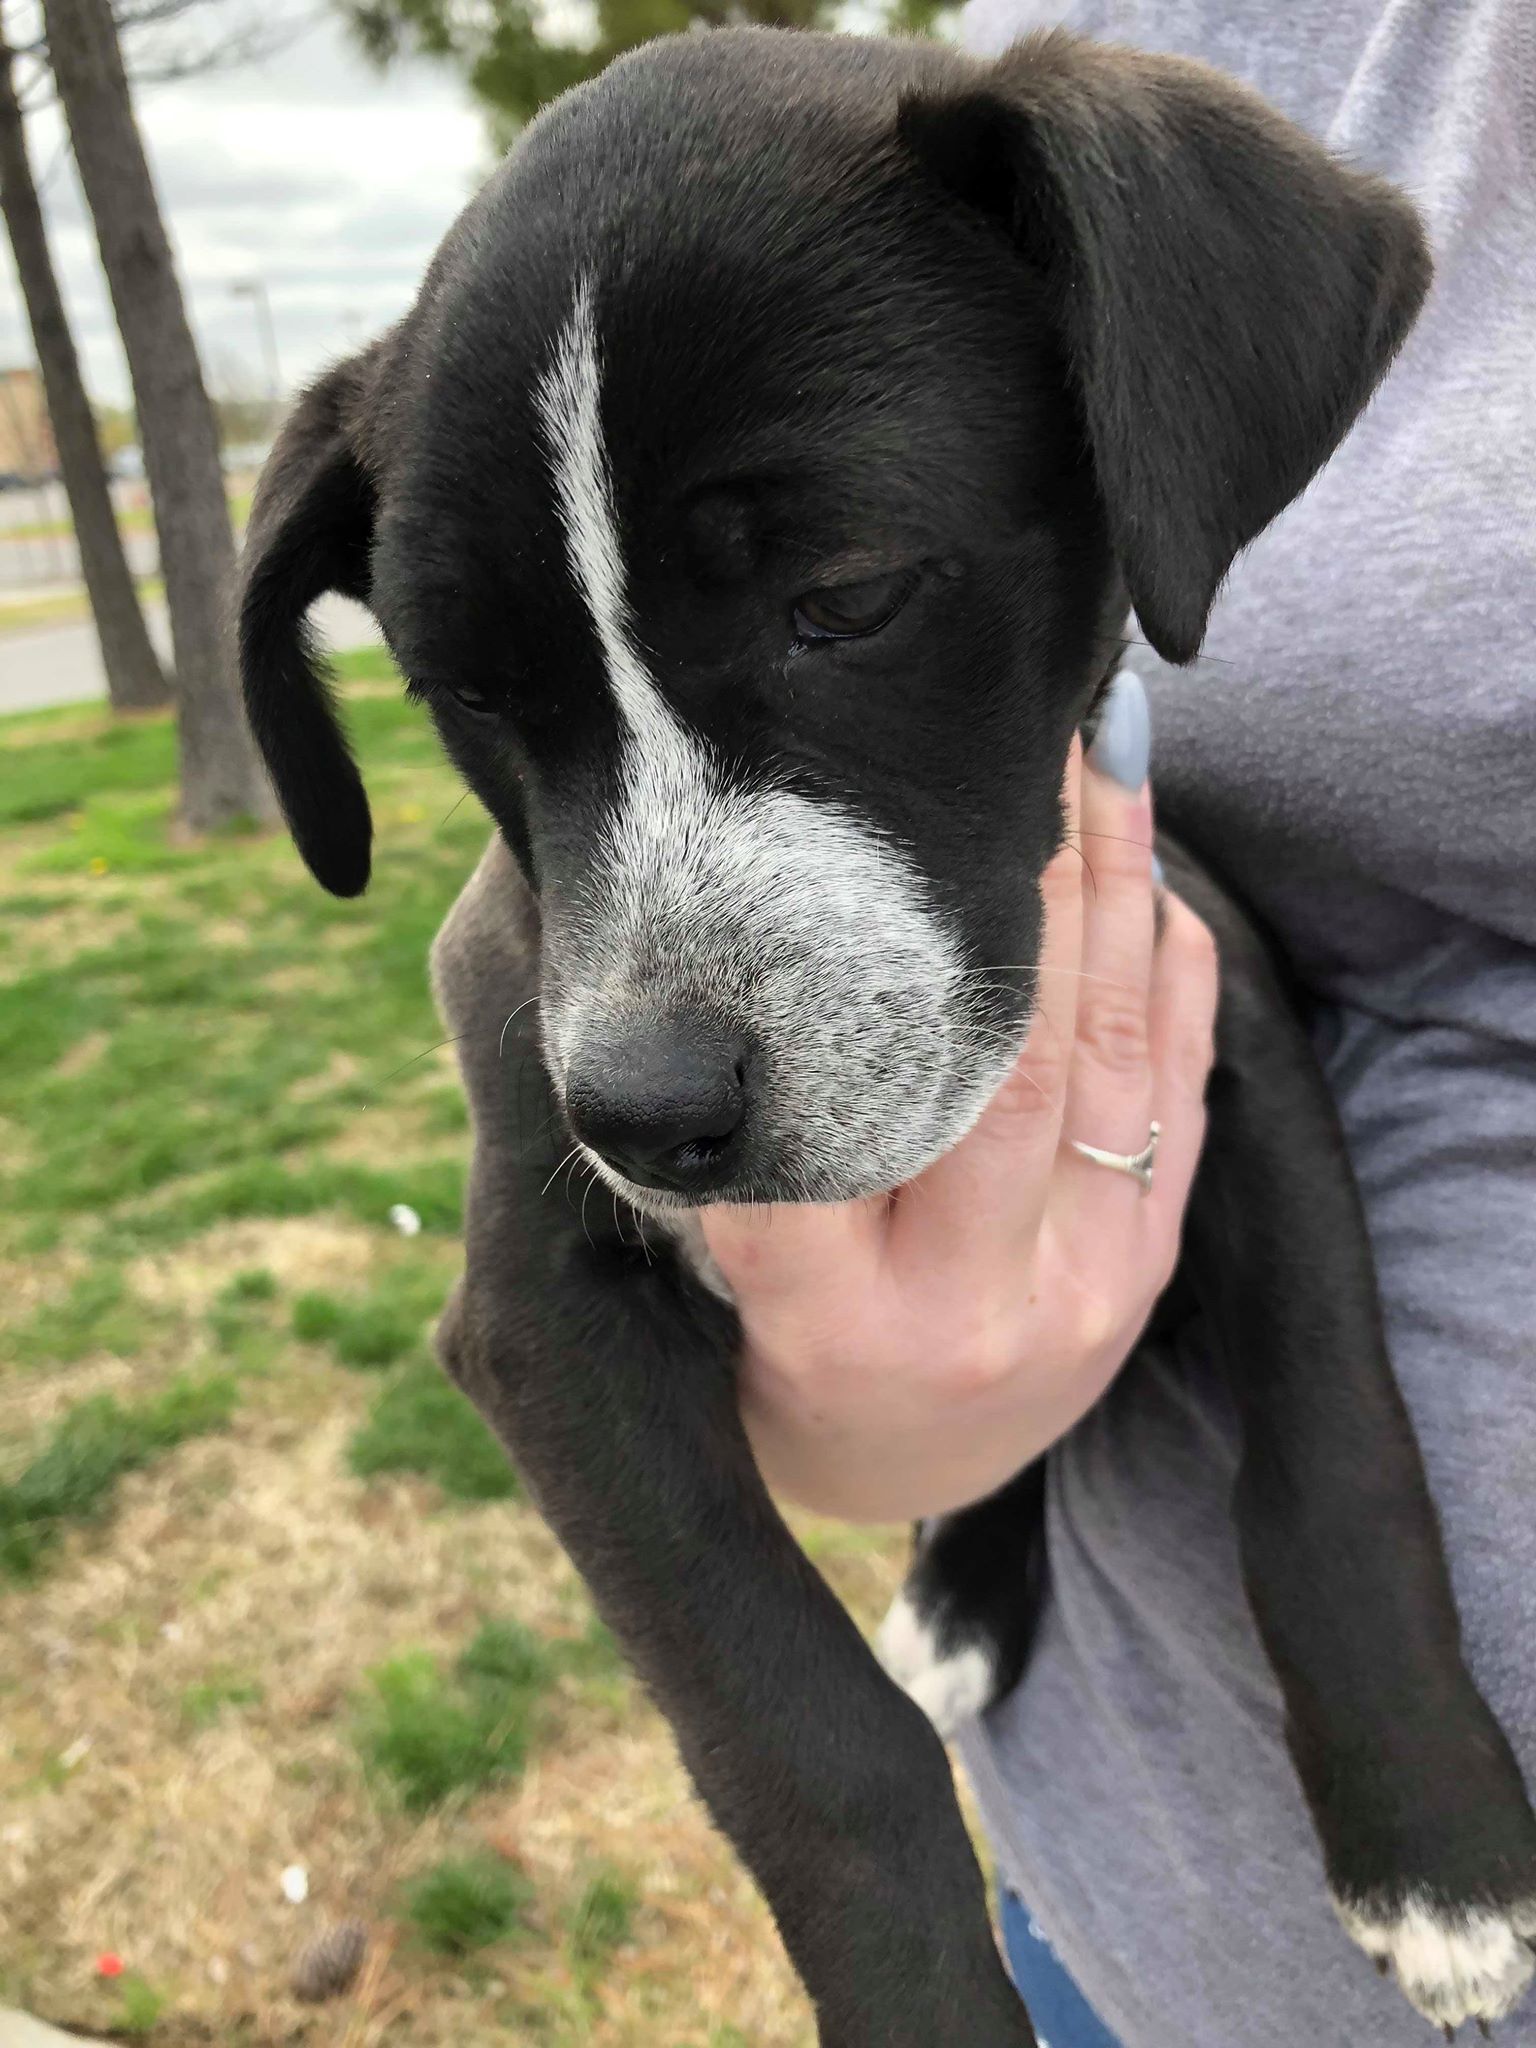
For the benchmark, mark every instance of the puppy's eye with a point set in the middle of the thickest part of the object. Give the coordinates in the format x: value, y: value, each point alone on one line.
x: 850, y: 611
x: 468, y: 698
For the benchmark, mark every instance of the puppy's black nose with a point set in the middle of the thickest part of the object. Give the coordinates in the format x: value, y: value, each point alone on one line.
x: 663, y: 1106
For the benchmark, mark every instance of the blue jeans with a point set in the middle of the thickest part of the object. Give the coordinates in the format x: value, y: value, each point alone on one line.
x: 1058, y: 2011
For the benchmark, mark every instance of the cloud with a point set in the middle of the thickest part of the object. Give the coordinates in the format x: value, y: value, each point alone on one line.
x: 194, y: 177
x: 308, y: 170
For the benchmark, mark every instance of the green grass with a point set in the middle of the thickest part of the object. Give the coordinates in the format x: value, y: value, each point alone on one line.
x: 506, y: 1660
x: 600, y: 1922
x: 594, y: 1658
x: 194, y: 1037
x: 431, y: 1734
x: 139, y: 2005
x: 97, y: 1312
x: 268, y: 1188
x: 205, y: 1702
x: 467, y: 1904
x: 379, y: 1327
x: 130, y: 758
x: 222, y: 990
x: 74, y: 1474
x: 243, y: 1321
x: 420, y: 1422
x: 255, y: 1284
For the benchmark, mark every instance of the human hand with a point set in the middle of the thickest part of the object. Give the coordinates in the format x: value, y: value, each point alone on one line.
x: 906, y: 1355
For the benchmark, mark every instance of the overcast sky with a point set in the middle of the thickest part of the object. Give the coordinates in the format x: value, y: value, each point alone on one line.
x: 306, y: 170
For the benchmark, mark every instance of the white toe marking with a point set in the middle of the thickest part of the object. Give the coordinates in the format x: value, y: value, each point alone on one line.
x: 1453, y: 1963
x: 954, y: 1690
x: 949, y: 1688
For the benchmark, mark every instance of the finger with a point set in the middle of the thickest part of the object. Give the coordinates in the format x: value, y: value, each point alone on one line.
x: 794, y: 1254
x: 1131, y: 1240
x: 1182, y: 1032
x: 1109, y: 1086
x: 972, y: 1213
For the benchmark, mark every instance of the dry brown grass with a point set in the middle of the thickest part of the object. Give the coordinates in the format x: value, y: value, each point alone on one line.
x: 255, y: 1555
x: 299, y: 1252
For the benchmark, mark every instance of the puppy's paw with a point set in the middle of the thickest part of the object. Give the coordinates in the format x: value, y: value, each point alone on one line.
x: 1453, y: 1963
x: 951, y: 1682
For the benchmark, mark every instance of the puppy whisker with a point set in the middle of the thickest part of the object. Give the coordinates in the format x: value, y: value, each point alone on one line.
x: 1131, y: 640
x: 586, y: 1197
x: 566, y: 1162
x: 501, y: 1043
x: 426, y: 1054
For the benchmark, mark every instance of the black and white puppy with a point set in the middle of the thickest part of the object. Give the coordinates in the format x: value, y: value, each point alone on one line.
x: 754, y: 497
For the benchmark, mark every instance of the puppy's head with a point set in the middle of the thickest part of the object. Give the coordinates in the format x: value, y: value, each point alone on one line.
x: 754, y: 495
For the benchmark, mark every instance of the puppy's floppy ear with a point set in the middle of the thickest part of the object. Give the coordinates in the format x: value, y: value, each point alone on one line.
x: 311, y: 530
x: 1228, y: 293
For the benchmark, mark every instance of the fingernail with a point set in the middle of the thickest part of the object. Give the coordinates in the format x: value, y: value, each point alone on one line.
x: 1159, y: 879
x: 1122, y: 746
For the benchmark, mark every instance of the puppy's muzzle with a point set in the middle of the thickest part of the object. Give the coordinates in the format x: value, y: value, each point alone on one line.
x: 663, y: 1103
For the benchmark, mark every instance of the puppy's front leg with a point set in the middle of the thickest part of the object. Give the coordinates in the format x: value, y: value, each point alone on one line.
x: 1424, y: 1820
x: 609, y: 1380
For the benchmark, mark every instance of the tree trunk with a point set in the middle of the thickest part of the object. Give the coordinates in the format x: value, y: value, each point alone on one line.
x: 221, y: 779
x: 135, y: 681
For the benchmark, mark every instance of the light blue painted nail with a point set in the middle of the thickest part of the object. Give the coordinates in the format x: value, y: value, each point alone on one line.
x: 1159, y: 879
x: 1122, y: 746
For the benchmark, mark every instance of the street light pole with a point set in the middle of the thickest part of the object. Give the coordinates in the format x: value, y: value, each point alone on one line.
x: 252, y: 288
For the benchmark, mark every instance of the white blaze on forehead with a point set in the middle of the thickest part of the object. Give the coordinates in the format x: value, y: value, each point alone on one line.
x: 669, y: 782
x: 797, y: 920
x: 569, y: 402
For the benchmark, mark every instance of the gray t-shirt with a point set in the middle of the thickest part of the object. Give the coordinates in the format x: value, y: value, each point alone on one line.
x: 1360, y: 742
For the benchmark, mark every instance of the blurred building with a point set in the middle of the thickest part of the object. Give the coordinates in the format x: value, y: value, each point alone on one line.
x: 26, y: 437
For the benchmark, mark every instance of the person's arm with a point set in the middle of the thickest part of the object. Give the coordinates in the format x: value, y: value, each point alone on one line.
x: 905, y: 1357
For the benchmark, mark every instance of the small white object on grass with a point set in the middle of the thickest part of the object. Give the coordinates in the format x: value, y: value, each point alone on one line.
x: 295, y: 1883
x: 405, y: 1219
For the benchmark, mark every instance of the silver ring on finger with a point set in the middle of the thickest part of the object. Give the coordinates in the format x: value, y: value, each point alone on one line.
x: 1137, y: 1164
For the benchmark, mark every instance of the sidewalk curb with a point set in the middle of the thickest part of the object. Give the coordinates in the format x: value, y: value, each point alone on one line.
x: 17, y: 2031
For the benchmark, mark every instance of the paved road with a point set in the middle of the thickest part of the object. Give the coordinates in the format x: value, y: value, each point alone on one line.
x: 17, y: 2031
x: 62, y: 664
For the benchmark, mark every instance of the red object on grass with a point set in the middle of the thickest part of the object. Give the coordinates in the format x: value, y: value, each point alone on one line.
x: 109, y: 1965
